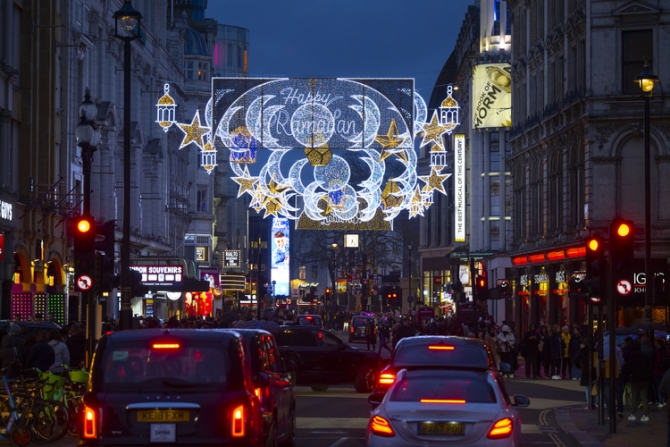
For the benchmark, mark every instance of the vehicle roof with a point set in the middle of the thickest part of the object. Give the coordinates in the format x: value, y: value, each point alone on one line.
x: 189, y: 334
x: 45, y: 324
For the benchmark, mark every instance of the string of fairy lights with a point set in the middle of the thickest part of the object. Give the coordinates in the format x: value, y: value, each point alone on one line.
x: 320, y: 116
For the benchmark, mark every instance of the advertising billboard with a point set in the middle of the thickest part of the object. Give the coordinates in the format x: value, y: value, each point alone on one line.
x: 232, y: 259
x: 279, y: 256
x: 491, y: 96
x: 211, y: 276
x: 459, y: 188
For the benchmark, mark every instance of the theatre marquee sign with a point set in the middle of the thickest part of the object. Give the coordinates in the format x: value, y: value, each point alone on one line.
x: 160, y: 275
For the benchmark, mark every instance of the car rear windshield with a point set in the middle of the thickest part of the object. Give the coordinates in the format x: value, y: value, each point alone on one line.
x: 360, y: 321
x: 444, y: 388
x: 440, y: 355
x: 166, y: 364
x: 309, y: 321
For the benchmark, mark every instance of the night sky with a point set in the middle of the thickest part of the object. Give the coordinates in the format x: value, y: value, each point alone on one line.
x: 347, y: 38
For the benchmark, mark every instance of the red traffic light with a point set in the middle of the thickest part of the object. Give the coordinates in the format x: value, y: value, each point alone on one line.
x: 623, y: 229
x: 84, y: 225
x: 327, y: 290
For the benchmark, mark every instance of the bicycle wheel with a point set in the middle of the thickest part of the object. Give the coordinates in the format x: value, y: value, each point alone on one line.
x: 73, y: 413
x: 19, y: 435
x: 48, y: 421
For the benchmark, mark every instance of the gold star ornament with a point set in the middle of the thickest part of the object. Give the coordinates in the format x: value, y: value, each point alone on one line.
x: 246, y: 182
x: 434, y: 181
x: 389, y: 142
x: 432, y: 131
x: 194, y: 132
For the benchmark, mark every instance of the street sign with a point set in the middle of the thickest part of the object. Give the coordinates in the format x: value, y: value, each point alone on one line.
x: 624, y: 287
x: 84, y: 283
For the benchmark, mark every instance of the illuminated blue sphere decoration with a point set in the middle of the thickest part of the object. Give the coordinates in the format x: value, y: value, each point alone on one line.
x: 334, y: 175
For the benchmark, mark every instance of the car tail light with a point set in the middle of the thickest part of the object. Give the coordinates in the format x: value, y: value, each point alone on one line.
x: 441, y: 348
x: 165, y: 346
x: 237, y: 423
x: 381, y: 427
x: 351, y: 329
x: 442, y: 401
x: 501, y: 429
x: 257, y: 392
x: 90, y: 423
x: 386, y: 378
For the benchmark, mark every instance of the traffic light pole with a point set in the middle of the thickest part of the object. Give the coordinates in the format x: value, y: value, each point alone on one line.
x: 87, y: 159
x: 649, y: 279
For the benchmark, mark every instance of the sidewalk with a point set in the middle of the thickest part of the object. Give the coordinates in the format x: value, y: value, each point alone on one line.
x: 582, y: 426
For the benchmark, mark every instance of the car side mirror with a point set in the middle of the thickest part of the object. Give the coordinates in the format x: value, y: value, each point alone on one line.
x: 520, y: 401
x: 375, y: 399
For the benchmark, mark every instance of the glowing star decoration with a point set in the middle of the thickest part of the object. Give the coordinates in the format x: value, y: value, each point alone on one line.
x: 246, y: 182
x: 417, y: 203
x: 432, y: 131
x: 390, y: 141
x: 434, y: 181
x: 194, y: 132
x: 165, y: 109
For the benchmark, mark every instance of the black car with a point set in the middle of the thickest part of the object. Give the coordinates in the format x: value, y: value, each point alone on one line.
x: 179, y: 386
x: 28, y: 327
x: 435, y: 352
x: 357, y: 327
x: 322, y: 359
x: 272, y: 386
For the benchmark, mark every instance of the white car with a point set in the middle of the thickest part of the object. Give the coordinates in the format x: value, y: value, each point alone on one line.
x: 443, y: 408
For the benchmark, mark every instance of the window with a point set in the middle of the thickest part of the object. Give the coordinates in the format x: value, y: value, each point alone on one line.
x: 636, y: 46
x: 201, y: 201
x: 508, y: 195
x: 470, y: 389
x: 302, y: 272
x: 229, y: 55
x: 494, y: 157
x: 494, y: 226
x: 495, y: 196
x: 188, y: 68
x: 315, y: 271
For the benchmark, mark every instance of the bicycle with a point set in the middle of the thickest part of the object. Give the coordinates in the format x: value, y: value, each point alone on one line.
x: 13, y: 427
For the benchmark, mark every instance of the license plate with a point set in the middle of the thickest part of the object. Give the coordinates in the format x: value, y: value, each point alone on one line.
x: 163, y: 416
x: 441, y: 428
x: 163, y: 432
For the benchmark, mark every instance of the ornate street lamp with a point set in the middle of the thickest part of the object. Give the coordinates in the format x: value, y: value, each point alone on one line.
x: 127, y: 19
x: 646, y: 80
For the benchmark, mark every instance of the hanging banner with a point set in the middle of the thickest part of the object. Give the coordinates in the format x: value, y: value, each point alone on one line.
x: 280, y: 266
x: 459, y: 188
x: 491, y: 96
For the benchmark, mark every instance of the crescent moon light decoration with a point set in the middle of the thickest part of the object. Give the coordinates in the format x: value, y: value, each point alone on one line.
x: 331, y: 122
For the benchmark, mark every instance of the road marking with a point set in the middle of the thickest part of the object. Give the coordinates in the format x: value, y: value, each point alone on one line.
x: 530, y: 429
x: 339, y: 442
x: 543, y: 404
x: 556, y: 440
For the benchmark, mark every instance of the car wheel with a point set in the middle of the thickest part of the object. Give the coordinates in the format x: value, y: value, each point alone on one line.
x: 365, y: 379
x: 271, y: 440
x: 320, y: 388
x: 290, y: 439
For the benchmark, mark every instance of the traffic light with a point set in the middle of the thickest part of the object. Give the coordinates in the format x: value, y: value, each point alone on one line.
x: 594, y: 283
x: 576, y: 286
x: 327, y: 294
x: 482, y: 287
x: 660, y: 293
x: 105, y: 243
x: 84, y: 245
x: 622, y: 254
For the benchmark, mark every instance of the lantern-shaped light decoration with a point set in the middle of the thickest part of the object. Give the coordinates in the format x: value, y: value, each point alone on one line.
x: 244, y: 147
x: 208, y: 157
x: 449, y: 112
x: 438, y: 156
x: 165, y: 109
x: 319, y: 156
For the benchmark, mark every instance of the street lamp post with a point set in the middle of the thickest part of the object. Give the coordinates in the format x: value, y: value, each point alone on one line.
x: 88, y: 138
x: 409, y: 267
x: 129, y: 20
x: 646, y: 80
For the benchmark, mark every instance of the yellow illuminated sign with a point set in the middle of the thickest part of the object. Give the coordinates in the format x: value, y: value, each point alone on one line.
x: 492, y: 96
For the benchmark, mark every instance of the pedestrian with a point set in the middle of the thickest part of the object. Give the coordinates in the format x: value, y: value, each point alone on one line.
x: 639, y: 370
x: 618, y: 381
x: 77, y: 346
x: 491, y: 337
x: 384, y: 337
x: 11, y: 360
x: 543, y: 352
x: 556, y: 352
x: 371, y: 334
x: 586, y: 380
x: 664, y: 391
x: 17, y: 341
x: 574, y: 349
x: 61, y: 354
x: 530, y: 353
x: 566, y: 361
x: 41, y: 355
x: 661, y: 365
x: 403, y: 331
x: 505, y: 346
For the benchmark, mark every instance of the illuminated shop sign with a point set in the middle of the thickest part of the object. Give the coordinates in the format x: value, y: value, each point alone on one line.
x: 6, y: 210
x: 459, y: 187
x: 160, y: 275
x: 492, y: 96
x: 232, y: 259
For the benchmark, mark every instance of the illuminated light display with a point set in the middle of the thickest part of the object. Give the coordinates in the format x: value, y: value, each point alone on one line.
x: 377, y: 119
x: 280, y: 256
x: 492, y: 96
x: 459, y: 188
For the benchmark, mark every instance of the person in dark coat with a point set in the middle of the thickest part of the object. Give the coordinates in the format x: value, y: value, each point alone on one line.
x: 403, y: 331
x: 556, y: 352
x: 574, y: 349
x: 664, y: 391
x: 11, y: 363
x: 543, y: 352
x: 530, y: 353
x: 77, y: 345
x: 639, y: 370
x: 41, y: 355
x: 371, y: 334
